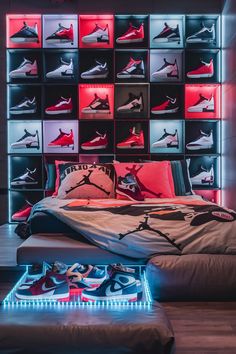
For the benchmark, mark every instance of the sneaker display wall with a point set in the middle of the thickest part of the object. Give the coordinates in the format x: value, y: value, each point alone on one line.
x: 111, y: 86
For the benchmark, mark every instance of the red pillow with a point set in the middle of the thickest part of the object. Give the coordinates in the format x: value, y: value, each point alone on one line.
x: 154, y: 178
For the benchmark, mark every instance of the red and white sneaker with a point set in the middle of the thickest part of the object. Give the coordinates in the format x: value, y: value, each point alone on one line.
x: 62, y: 35
x: 133, y: 35
x: 168, y: 106
x: 63, y: 140
x: 64, y: 106
x: 98, y: 142
x: 134, y: 141
x: 205, y: 70
x: 23, y: 213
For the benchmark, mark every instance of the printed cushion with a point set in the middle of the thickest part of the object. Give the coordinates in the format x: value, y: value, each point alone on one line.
x: 84, y: 181
x: 154, y: 179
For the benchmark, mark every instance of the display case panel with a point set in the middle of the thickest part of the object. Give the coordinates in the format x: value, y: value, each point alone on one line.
x: 202, y: 66
x: 21, y: 203
x: 96, y: 137
x: 96, y: 66
x: 96, y: 31
x: 24, y: 137
x: 202, y: 101
x: 61, y: 65
x: 60, y: 31
x: 142, y: 299
x: 23, y: 31
x: 204, y: 172
x: 203, y: 31
x: 166, y: 136
x: 166, y: 65
x: 132, y: 101
x: 24, y: 101
x: 131, y: 137
x: 24, y: 66
x: 167, y: 31
x: 60, y: 101
x: 25, y: 172
x: 131, y: 31
x: 202, y: 137
x: 166, y: 101
x: 131, y: 65
x: 60, y: 137
x: 96, y: 101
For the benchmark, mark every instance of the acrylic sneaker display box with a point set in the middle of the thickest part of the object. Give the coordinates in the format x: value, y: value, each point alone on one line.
x: 142, y: 298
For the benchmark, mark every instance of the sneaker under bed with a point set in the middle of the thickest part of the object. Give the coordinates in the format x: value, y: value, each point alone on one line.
x: 144, y: 298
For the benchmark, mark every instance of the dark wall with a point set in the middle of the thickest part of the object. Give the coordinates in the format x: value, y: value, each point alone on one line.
x: 78, y: 6
x: 229, y: 104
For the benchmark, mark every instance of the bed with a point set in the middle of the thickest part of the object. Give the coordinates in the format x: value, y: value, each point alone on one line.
x: 188, y: 244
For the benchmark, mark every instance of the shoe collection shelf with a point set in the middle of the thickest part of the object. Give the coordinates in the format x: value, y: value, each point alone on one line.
x: 161, y: 79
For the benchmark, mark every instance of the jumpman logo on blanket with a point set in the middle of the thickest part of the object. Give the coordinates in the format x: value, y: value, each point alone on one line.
x: 134, y: 171
x: 143, y: 225
x: 86, y: 180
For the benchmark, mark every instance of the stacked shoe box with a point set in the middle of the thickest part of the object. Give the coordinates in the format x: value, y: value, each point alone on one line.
x: 98, y: 87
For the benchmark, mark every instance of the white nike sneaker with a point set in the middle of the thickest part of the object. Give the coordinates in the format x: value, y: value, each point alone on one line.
x: 98, y: 35
x: 203, y: 177
x: 27, y: 69
x: 204, y: 141
x: 28, y: 140
x: 167, y: 140
x: 203, y: 105
x: 168, y: 70
x: 133, y: 104
x: 64, y: 71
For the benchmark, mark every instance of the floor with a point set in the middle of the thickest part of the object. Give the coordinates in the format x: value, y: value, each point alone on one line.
x: 200, y: 328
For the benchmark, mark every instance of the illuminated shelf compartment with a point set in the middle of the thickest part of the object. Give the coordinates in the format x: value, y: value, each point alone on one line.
x: 144, y: 298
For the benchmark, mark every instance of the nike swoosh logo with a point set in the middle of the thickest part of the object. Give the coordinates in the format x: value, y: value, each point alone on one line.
x: 45, y: 288
x: 109, y: 292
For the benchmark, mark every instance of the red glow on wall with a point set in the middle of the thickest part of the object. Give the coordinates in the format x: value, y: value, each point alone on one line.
x: 87, y: 94
x: 192, y: 96
x: 16, y: 22
x: 211, y: 195
x: 87, y: 24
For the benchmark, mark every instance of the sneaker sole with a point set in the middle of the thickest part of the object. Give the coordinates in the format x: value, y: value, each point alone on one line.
x: 25, y: 146
x: 94, y: 147
x: 61, y: 76
x: 198, y: 40
x: 95, y: 40
x: 32, y: 111
x: 89, y: 77
x: 166, y: 146
x: 22, y: 183
x: 24, y: 40
x: 129, y: 111
x: 94, y: 280
x: 164, y: 76
x: 201, y: 182
x: 199, y: 76
x: 23, y: 76
x: 130, y: 297
x: 95, y: 111
x: 52, y: 41
x: 20, y: 219
x: 65, y: 111
x: 166, y: 111
x: 43, y: 296
x: 199, y: 147
x: 138, y: 40
x: 120, y: 76
x: 166, y: 40
x: 131, y: 147
x: 71, y: 146
x: 200, y: 110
